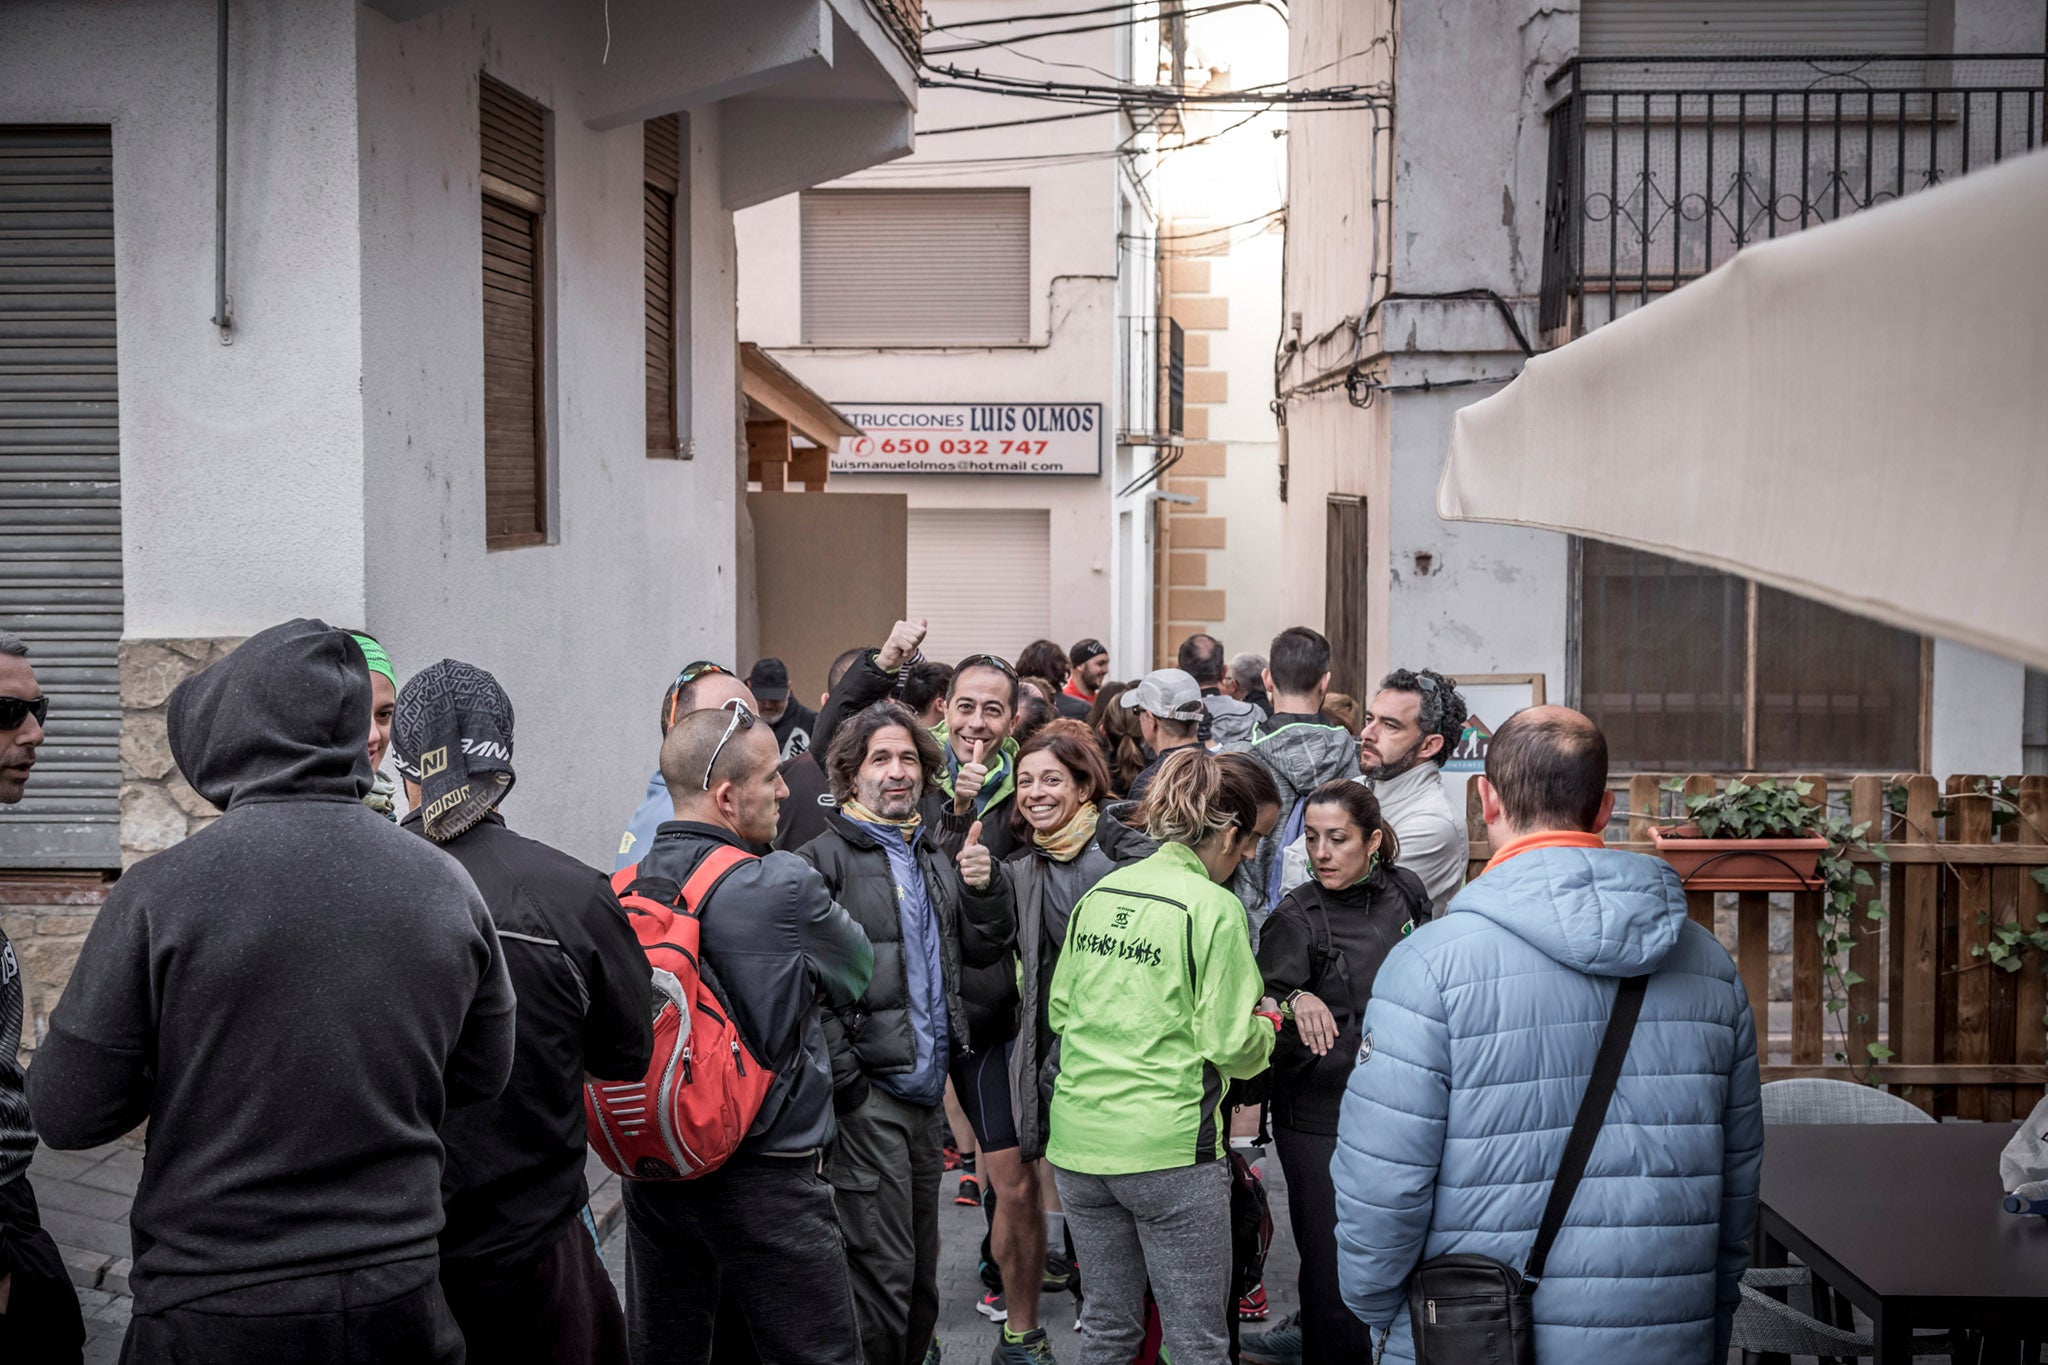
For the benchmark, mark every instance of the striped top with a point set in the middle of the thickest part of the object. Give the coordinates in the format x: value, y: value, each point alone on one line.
x: 17, y: 1134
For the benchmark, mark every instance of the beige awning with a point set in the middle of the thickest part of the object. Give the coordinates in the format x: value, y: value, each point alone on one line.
x: 1857, y: 413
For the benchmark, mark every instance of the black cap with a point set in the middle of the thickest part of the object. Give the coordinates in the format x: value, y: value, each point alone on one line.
x: 768, y: 680
x: 1086, y: 650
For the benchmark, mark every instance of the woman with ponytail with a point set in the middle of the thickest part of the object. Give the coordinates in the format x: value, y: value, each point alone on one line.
x: 1156, y: 1003
x: 1318, y: 953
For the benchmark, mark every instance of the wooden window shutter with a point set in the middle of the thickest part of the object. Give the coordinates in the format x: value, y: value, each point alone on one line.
x: 515, y: 432
x: 663, y: 158
x: 916, y: 267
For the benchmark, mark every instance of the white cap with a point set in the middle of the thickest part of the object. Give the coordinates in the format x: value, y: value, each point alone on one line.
x: 1169, y: 693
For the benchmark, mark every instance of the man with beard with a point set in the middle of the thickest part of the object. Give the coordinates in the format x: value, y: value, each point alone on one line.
x: 1414, y: 724
x: 930, y: 912
x: 789, y: 718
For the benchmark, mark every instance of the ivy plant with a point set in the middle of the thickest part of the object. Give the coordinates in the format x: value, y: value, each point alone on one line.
x: 1781, y: 810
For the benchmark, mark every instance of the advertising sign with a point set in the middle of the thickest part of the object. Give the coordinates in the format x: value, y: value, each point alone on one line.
x: 972, y: 438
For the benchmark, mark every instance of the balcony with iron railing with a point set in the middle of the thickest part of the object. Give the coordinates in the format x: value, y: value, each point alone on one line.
x: 1151, y: 380
x: 1663, y: 167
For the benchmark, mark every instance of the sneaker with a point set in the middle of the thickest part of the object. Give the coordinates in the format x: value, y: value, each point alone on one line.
x: 970, y: 1192
x: 1030, y: 1349
x: 992, y: 1307
x: 931, y: 1355
x: 1061, y: 1277
x: 1281, y: 1345
x: 1252, y: 1307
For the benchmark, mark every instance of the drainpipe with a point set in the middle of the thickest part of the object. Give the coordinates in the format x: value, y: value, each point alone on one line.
x: 222, y: 318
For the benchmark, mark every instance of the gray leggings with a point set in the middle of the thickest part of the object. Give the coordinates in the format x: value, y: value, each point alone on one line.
x: 1169, y: 1227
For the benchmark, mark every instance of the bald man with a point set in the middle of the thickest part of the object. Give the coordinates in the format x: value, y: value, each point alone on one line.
x: 1479, y: 1044
x: 699, y: 686
x: 762, y: 1227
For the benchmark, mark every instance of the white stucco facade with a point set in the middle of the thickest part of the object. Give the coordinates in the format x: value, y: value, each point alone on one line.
x: 329, y: 462
x: 1080, y: 287
x: 1451, y: 200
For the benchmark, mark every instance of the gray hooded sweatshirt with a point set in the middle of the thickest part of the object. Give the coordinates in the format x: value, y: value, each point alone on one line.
x: 291, y: 997
x: 1301, y: 756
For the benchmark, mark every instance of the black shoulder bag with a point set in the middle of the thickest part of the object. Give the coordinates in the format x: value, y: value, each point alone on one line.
x: 1473, y: 1310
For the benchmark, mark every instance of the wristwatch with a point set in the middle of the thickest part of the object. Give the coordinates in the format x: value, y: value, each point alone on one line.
x: 1287, y: 1005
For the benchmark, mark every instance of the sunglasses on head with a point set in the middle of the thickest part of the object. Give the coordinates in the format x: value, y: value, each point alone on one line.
x: 986, y: 661
x: 15, y: 710
x: 702, y: 668
x: 742, y: 719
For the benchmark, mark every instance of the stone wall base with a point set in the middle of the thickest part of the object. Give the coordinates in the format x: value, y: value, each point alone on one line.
x: 46, y: 918
x: 158, y: 806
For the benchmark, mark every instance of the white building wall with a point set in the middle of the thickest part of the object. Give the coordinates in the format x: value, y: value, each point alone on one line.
x: 241, y: 465
x: 1072, y: 354
x: 638, y: 576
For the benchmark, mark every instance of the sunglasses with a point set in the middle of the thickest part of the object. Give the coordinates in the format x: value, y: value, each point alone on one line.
x: 742, y: 719
x: 986, y: 661
x: 15, y: 710
x: 702, y: 668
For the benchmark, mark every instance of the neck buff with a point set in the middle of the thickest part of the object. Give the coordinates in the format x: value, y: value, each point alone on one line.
x: 453, y: 735
x: 998, y: 765
x: 860, y: 814
x: 1064, y: 844
x: 376, y: 658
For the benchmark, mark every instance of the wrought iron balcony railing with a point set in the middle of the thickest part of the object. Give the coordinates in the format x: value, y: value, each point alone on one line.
x: 1151, y: 380
x: 1663, y: 167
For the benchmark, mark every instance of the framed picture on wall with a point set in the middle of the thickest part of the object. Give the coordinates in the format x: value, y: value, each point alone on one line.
x: 1490, y: 698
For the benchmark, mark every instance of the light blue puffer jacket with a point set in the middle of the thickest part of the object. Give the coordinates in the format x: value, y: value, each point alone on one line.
x: 1482, y: 1031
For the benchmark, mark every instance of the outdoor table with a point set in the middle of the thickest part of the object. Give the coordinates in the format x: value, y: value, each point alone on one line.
x: 1903, y: 1220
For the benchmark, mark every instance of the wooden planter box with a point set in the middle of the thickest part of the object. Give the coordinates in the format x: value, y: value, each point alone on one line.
x: 1740, y: 864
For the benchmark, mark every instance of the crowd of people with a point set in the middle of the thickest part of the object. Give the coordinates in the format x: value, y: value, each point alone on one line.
x: 1076, y: 940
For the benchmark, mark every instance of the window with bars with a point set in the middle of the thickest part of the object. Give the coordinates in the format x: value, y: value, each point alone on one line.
x: 514, y: 180
x: 664, y: 208
x: 913, y: 267
x: 1689, y: 669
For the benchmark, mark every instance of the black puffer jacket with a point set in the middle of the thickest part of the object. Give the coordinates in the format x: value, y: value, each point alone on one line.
x: 975, y: 930
x: 1046, y: 893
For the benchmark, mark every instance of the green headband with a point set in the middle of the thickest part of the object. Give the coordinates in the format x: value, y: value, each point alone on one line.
x: 375, y: 657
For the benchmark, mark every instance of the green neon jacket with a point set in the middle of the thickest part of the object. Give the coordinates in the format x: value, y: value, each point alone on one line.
x: 1153, y: 1002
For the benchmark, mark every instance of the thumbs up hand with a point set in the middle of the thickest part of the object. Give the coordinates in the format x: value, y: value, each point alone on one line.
x: 972, y: 777
x: 901, y: 646
x: 976, y: 864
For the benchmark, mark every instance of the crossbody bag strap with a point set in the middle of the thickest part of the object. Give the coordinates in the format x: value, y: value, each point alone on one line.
x: 1578, y: 1148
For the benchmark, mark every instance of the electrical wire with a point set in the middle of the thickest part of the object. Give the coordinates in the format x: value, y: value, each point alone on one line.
x: 982, y: 43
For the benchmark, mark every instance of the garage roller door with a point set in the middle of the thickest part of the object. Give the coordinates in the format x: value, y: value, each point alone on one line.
x: 60, y: 484
x: 982, y: 576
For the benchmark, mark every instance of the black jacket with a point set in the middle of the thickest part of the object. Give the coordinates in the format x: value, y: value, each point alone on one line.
x: 775, y: 943
x: 1331, y: 944
x: 514, y: 1171
x: 1046, y: 892
x: 802, y: 817
x: 975, y: 929
x: 291, y: 997
x: 796, y: 720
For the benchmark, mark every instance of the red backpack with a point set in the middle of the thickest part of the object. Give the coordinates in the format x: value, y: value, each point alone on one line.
x: 700, y: 1095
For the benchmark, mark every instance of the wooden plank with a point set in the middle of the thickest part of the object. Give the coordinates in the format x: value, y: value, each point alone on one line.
x: 1916, y: 925
x: 1866, y: 803
x: 2030, y: 984
x: 772, y: 480
x: 1902, y: 855
x: 1969, y: 822
x: 497, y: 187
x: 1808, y: 975
x: 1699, y: 905
x: 1999, y: 1033
x: 1920, y: 1077
x: 810, y: 466
x: 768, y: 443
x: 1645, y: 804
x: 1753, y: 956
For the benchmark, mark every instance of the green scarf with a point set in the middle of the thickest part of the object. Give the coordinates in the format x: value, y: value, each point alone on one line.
x: 1064, y: 844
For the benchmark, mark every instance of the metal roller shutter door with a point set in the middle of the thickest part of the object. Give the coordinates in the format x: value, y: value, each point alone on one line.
x: 1618, y: 28
x: 910, y: 267
x: 60, y: 485
x: 982, y: 577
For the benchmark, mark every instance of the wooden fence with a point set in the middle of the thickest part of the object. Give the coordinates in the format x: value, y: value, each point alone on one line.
x: 1967, y: 1036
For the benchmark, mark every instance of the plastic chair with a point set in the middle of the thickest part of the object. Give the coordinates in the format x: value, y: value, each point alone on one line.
x: 1765, y: 1325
